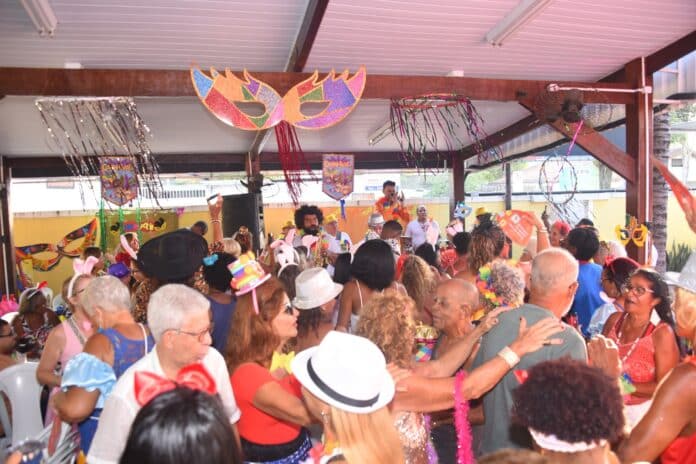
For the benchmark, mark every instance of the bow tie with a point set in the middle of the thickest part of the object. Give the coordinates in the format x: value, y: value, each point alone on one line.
x: 195, y: 376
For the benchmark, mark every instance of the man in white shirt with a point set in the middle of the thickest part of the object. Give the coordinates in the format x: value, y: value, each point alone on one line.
x: 179, y: 319
x: 422, y: 229
x: 338, y: 241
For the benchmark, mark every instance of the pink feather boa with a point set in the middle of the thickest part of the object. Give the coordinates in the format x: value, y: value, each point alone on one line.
x: 461, y: 422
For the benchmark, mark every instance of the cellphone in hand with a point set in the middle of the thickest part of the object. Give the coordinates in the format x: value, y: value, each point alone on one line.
x: 212, y: 197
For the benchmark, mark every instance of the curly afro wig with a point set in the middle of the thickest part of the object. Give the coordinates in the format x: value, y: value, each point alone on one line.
x: 307, y: 210
x: 571, y: 400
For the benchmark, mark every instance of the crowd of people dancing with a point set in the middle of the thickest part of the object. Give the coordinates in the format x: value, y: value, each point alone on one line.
x: 414, y: 344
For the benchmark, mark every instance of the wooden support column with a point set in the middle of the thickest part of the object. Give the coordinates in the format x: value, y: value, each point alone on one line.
x: 7, y: 255
x: 639, y: 116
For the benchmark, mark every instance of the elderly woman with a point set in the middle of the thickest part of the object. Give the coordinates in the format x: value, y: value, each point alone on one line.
x: 387, y: 321
x: 35, y: 320
x: 273, y: 417
x: 90, y: 375
x: 346, y: 385
x: 67, y: 339
x: 573, y: 411
x: 645, y: 337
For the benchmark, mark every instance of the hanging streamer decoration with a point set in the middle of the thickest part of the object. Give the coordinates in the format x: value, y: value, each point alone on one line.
x: 56, y: 252
x: 437, y: 124
x: 338, y: 172
x: 88, y: 130
x: 225, y: 96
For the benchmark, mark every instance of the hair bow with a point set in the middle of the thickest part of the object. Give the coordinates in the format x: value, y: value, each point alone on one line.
x: 194, y: 376
x: 37, y: 289
x: 210, y: 260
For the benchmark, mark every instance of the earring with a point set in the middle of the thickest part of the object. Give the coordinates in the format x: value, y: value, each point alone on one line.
x: 325, y: 416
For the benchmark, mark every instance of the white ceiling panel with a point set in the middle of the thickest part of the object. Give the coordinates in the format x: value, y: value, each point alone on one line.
x: 154, y: 34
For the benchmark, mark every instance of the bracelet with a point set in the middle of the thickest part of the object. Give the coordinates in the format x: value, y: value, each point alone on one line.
x: 509, y: 356
x: 543, y: 230
x: 215, y: 220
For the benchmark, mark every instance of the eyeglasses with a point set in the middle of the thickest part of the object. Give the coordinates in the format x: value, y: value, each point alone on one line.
x: 200, y: 336
x: 639, y: 291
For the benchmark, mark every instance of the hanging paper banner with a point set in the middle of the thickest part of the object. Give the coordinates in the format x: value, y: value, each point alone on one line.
x: 118, y: 180
x: 517, y: 226
x: 681, y: 192
x: 337, y: 175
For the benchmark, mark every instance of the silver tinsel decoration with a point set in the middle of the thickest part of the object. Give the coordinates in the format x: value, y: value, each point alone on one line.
x: 83, y: 130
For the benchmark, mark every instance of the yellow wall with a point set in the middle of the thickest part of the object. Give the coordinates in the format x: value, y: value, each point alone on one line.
x: 608, y: 213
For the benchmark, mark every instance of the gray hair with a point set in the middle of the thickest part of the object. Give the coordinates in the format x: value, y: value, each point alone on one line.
x: 553, y: 269
x: 106, y: 293
x: 170, y: 306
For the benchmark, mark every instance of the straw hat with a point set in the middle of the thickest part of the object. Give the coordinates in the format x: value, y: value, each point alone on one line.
x: 314, y: 287
x: 480, y: 211
x: 347, y: 372
x: 330, y: 218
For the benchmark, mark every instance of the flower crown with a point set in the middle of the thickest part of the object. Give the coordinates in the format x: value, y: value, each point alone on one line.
x: 485, y: 286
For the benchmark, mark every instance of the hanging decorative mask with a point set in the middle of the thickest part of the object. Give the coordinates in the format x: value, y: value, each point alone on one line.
x: 221, y: 94
x: 639, y: 233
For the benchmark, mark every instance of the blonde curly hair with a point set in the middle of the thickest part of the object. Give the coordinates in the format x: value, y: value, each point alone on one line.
x: 418, y: 279
x: 387, y: 322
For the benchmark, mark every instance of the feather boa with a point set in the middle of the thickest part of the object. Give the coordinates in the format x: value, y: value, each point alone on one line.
x: 461, y: 422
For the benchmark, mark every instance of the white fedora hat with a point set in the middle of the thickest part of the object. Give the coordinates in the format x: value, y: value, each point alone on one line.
x: 347, y: 372
x: 685, y: 279
x: 314, y: 287
x: 375, y: 220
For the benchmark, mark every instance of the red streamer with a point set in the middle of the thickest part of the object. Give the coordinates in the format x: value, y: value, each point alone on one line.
x: 292, y: 159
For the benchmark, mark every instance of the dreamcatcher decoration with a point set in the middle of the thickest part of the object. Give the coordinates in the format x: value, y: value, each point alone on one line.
x: 224, y: 96
x: 425, y: 123
x: 87, y: 131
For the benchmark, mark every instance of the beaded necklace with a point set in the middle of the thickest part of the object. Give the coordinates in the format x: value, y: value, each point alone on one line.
x: 635, y: 342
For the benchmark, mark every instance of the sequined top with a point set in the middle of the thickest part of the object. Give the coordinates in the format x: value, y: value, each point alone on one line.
x: 414, y: 437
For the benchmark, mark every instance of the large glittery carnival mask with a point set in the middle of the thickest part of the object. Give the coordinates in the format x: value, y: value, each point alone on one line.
x: 222, y: 93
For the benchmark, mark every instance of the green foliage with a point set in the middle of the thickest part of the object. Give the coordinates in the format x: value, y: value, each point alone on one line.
x: 677, y: 256
x: 476, y: 180
x: 681, y: 114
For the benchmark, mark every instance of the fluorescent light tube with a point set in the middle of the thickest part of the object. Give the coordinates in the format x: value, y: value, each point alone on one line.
x: 41, y: 15
x: 518, y: 17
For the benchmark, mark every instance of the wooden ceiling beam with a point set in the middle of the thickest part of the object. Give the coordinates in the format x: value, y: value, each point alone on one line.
x: 653, y: 63
x: 54, y: 166
x: 177, y: 83
x: 598, y: 146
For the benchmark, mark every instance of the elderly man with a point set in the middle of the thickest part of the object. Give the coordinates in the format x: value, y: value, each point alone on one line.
x: 553, y: 284
x: 179, y: 318
x: 337, y: 241
x: 454, y: 303
x: 422, y: 229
